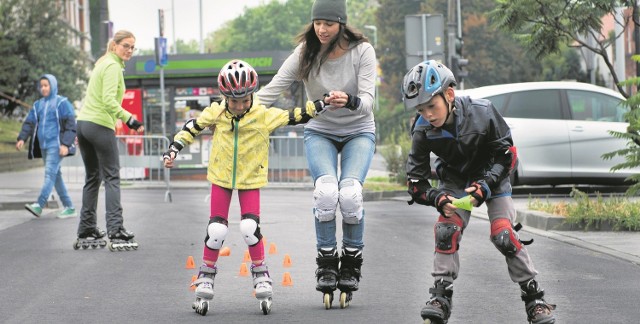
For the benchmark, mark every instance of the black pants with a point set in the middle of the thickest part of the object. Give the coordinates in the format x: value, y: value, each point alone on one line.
x: 99, y: 150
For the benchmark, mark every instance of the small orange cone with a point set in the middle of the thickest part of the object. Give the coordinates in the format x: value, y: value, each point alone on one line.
x: 225, y: 251
x: 193, y: 278
x: 247, y: 257
x: 243, y: 270
x: 286, y: 279
x: 273, y: 249
x: 190, y: 263
x: 287, y: 261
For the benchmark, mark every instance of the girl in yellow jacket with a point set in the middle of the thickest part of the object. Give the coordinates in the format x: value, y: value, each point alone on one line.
x: 239, y: 160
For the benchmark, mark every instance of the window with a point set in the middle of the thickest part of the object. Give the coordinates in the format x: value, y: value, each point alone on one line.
x: 539, y: 104
x: 498, y: 102
x: 595, y: 106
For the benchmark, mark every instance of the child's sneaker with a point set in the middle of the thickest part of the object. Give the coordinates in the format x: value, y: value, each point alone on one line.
x: 34, y: 208
x: 67, y: 212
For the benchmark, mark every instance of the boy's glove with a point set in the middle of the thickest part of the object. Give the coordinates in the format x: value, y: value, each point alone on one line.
x: 442, y: 200
x: 418, y: 191
x: 133, y: 123
x: 172, y: 153
x: 479, y: 194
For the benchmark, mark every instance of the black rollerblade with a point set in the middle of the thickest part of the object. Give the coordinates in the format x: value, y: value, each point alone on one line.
x: 350, y: 265
x: 538, y: 310
x: 327, y: 274
x: 439, y: 307
x: 90, y: 238
x: 122, y: 240
x: 204, y: 289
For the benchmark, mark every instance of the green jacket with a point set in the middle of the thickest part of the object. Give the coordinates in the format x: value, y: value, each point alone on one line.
x: 102, y: 103
x: 240, y: 148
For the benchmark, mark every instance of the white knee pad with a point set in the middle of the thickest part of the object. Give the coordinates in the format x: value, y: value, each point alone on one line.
x: 351, y: 201
x: 325, y: 198
x: 250, y: 229
x: 216, y: 233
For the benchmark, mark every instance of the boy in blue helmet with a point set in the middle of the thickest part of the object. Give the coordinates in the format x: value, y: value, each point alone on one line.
x: 475, y: 157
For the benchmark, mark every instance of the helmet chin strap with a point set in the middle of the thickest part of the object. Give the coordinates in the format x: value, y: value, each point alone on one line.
x: 450, y: 107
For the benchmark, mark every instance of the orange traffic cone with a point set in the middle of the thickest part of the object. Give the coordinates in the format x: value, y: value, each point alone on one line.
x: 225, y: 251
x: 247, y: 257
x: 193, y: 278
x: 286, y: 279
x: 287, y: 261
x: 272, y: 248
x: 244, y: 272
x: 190, y: 263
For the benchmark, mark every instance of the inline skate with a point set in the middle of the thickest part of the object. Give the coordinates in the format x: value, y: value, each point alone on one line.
x: 439, y: 307
x: 538, y: 310
x: 327, y: 274
x: 350, y: 265
x: 90, y: 238
x: 204, y: 288
x: 262, y: 284
x: 122, y: 240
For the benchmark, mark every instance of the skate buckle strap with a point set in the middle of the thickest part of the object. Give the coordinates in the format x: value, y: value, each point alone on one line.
x: 259, y: 280
x: 259, y: 269
x: 202, y: 280
x: 208, y: 270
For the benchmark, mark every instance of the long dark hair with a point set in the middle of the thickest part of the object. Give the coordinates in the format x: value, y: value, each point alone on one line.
x: 312, y: 49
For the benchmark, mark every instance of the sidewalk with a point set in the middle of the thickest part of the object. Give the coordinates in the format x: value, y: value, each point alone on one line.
x: 19, y: 188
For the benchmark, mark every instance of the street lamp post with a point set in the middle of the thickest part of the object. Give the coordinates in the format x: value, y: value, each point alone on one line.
x: 374, y: 29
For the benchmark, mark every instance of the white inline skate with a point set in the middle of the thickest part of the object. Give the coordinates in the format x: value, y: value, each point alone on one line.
x: 262, y: 284
x: 204, y: 289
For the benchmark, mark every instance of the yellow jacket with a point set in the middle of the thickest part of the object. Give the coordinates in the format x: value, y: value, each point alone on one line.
x: 240, y: 148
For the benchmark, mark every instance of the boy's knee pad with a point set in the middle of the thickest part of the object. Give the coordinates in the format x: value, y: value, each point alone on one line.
x: 325, y: 198
x: 504, y: 237
x: 350, y: 199
x: 447, y: 233
x: 250, y: 229
x: 216, y: 233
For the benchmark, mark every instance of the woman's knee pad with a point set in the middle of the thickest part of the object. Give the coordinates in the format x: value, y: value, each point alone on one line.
x: 325, y: 198
x: 504, y: 237
x: 250, y: 229
x: 216, y: 233
x: 350, y: 199
x: 447, y: 234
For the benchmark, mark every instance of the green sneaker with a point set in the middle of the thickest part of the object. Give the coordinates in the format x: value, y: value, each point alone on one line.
x: 34, y: 208
x: 67, y: 212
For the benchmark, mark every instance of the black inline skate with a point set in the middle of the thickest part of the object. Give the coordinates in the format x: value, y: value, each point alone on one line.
x: 439, y: 307
x: 538, y: 310
x: 350, y: 265
x: 90, y: 238
x: 122, y: 240
x: 327, y: 274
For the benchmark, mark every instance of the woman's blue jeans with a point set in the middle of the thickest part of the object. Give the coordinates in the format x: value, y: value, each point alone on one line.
x: 356, y: 152
x: 53, y: 178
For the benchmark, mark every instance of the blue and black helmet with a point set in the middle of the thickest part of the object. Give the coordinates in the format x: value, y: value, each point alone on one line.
x: 424, y: 81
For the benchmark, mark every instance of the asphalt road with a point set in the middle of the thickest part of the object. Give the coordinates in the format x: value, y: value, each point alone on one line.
x: 43, y: 280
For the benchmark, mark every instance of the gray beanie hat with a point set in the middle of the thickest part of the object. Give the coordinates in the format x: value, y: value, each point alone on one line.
x: 333, y: 10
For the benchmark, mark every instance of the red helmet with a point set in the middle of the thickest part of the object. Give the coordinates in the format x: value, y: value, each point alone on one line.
x: 237, y: 79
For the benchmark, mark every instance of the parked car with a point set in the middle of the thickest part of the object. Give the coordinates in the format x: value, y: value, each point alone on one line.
x: 561, y: 130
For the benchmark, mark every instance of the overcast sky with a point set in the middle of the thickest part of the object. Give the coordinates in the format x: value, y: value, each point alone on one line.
x: 141, y: 17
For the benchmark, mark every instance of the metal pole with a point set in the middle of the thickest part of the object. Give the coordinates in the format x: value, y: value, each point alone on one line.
x: 424, y: 37
x: 201, y: 38
x: 173, y: 27
x: 375, y: 45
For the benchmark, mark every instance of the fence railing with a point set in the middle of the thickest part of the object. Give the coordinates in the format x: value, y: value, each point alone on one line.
x: 140, y: 162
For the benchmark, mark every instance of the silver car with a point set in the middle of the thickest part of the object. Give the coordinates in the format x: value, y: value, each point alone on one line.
x: 561, y: 130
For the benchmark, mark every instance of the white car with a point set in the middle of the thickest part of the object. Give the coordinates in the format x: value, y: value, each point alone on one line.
x: 561, y: 130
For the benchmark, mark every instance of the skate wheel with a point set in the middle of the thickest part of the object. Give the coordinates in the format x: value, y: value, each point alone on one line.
x: 76, y: 245
x: 327, y: 299
x: 344, y: 301
x: 111, y: 247
x: 265, y: 305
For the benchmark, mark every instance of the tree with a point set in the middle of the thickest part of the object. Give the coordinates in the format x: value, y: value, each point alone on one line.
x: 34, y: 41
x: 543, y: 26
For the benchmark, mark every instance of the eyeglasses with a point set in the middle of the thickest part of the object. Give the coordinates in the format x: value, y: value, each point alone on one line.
x: 128, y: 47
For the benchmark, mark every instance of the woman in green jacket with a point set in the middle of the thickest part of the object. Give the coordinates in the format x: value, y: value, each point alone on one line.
x: 98, y: 144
